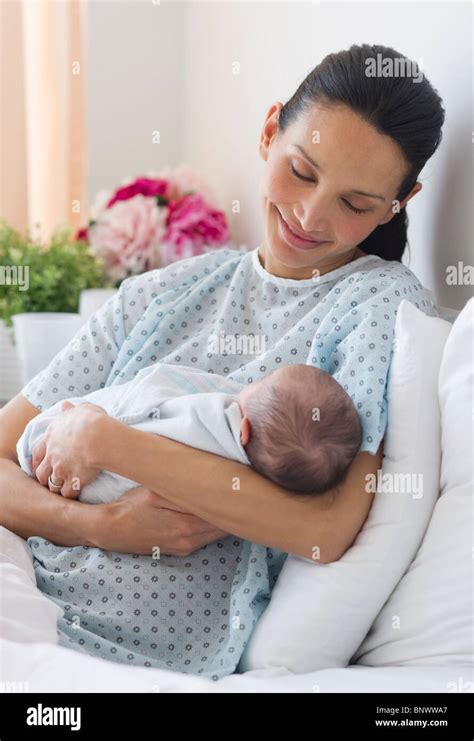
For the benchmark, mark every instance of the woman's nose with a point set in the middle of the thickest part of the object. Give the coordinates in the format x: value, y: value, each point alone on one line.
x: 313, y: 216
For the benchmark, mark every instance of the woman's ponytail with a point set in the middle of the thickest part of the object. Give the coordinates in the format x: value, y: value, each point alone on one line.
x: 388, y: 240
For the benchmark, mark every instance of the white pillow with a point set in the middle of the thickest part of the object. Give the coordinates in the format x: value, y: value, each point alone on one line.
x: 26, y: 614
x: 428, y: 619
x: 320, y: 613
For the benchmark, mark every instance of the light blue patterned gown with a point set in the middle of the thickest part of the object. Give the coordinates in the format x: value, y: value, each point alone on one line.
x: 201, y: 609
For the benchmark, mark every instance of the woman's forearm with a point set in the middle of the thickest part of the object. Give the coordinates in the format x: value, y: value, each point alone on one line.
x: 231, y: 495
x: 27, y: 508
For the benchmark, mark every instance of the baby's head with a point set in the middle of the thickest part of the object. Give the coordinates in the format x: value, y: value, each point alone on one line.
x: 299, y: 428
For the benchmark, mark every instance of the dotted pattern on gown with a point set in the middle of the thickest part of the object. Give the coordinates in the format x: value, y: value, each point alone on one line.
x: 192, y: 614
x: 342, y: 322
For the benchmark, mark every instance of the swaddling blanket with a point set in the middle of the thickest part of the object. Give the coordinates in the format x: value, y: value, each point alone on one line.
x: 186, y: 404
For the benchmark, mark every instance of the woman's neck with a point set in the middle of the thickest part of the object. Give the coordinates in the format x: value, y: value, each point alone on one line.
x: 280, y: 270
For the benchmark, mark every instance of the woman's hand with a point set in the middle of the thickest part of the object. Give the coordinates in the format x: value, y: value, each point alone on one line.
x: 143, y: 522
x: 63, y: 451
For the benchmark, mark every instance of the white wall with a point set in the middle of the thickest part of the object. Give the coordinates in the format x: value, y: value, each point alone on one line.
x: 170, y: 66
x: 135, y: 87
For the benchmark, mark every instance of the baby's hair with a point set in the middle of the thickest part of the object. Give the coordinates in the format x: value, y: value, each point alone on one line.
x: 304, y: 434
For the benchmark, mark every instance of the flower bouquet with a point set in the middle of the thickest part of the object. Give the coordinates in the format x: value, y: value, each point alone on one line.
x: 152, y: 221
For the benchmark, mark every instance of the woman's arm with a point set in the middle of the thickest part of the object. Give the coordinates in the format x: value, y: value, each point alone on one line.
x: 231, y: 495
x: 27, y: 508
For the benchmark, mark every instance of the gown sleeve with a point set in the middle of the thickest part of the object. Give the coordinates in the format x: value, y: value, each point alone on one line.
x: 86, y: 363
x: 356, y: 340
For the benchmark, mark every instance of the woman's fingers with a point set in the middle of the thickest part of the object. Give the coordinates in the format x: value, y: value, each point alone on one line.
x: 70, y: 489
x: 196, y: 530
x: 196, y: 533
x: 140, y: 521
x: 159, y: 501
x: 37, y: 454
x: 210, y: 536
x: 43, y: 470
x: 59, y: 452
x: 69, y: 485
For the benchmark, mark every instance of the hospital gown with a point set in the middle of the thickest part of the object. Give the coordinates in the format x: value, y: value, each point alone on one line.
x: 202, y: 311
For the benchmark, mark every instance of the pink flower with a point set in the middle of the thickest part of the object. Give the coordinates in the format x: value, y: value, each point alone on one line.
x: 193, y: 224
x: 82, y: 234
x: 128, y: 235
x: 184, y: 179
x: 141, y: 186
x: 131, y: 232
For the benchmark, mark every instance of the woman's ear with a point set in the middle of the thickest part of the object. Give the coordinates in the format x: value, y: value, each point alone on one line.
x: 270, y: 128
x: 397, y: 206
x: 245, y: 431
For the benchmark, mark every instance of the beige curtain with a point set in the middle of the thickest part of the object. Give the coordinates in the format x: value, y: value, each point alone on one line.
x: 42, y: 114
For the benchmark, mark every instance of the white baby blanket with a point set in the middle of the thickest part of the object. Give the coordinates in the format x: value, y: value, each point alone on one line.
x: 182, y: 403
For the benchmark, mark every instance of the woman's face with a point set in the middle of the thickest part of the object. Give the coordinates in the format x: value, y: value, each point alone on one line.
x: 318, y: 198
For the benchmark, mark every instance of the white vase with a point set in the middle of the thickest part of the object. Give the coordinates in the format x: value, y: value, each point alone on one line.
x: 39, y: 336
x: 9, y: 367
x: 92, y: 299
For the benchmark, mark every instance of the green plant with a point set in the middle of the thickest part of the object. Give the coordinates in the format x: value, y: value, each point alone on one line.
x: 54, y: 275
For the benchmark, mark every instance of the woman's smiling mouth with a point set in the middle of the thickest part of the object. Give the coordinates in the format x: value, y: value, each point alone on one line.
x: 294, y: 239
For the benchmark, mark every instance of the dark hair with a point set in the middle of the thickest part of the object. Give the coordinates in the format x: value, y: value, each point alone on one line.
x: 409, y: 112
x: 292, y: 448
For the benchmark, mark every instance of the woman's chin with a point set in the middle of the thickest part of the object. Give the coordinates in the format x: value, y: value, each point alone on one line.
x: 289, y: 255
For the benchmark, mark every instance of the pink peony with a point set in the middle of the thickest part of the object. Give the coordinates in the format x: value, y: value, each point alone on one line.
x: 131, y: 233
x: 183, y: 179
x: 128, y: 235
x: 141, y: 186
x: 192, y: 225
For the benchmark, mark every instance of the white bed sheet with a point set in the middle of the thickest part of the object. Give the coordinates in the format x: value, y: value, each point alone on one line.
x: 42, y: 667
x: 31, y: 660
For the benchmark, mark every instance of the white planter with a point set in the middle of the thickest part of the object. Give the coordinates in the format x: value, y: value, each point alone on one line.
x: 92, y: 299
x: 39, y: 336
x: 9, y: 367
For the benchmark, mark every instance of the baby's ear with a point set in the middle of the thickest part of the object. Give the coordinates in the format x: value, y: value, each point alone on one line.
x: 65, y: 405
x: 244, y: 431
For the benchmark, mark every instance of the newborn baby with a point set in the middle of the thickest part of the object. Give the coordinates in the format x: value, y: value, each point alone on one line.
x: 193, y: 614
x: 299, y: 428
x: 296, y: 426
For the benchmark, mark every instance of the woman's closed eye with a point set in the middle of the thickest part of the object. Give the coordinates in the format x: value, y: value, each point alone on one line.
x: 353, y: 208
x: 346, y: 202
x: 301, y: 177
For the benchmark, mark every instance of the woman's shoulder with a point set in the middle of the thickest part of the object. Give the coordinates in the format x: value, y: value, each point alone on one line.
x: 185, y: 272
x: 377, y: 269
x: 389, y: 280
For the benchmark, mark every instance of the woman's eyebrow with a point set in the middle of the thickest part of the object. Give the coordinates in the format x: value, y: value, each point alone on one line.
x: 315, y: 164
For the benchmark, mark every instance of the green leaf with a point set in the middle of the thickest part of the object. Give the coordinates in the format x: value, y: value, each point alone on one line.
x: 55, y: 273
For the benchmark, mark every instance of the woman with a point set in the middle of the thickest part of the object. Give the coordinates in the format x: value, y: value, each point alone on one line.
x: 342, y: 160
